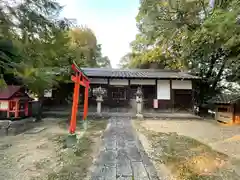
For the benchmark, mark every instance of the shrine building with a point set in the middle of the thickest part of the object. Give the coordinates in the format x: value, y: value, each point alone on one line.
x: 14, y: 103
x: 163, y: 90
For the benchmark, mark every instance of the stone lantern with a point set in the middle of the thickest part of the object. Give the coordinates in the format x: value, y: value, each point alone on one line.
x: 139, y: 100
x: 99, y: 93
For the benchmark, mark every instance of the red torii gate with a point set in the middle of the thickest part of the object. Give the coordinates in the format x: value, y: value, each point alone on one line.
x: 79, y: 79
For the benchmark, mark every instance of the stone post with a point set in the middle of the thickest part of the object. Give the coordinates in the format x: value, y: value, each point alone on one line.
x: 139, y: 96
x: 99, y: 93
x: 99, y: 100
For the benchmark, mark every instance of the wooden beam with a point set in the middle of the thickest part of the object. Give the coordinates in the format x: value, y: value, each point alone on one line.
x: 77, y: 69
x: 83, y: 82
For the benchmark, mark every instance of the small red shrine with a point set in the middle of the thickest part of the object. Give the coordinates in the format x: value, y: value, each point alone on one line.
x: 14, y: 102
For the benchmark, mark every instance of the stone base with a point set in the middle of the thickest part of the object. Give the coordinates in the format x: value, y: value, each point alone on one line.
x: 8, y: 127
x: 99, y: 114
x: 85, y: 124
x: 71, y: 140
x: 139, y: 116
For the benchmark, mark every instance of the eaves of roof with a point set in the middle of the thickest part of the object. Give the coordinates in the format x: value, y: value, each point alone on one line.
x: 137, y: 73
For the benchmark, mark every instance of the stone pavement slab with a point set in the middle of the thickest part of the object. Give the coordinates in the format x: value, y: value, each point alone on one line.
x: 122, y: 156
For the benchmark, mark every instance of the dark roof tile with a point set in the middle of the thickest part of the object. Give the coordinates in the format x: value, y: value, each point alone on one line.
x: 8, y: 91
x: 137, y: 73
x: 225, y: 98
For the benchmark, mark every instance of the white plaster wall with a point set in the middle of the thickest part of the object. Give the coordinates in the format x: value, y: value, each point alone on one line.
x: 163, y: 89
x: 184, y: 84
x: 4, y: 105
x: 142, y: 82
x: 118, y: 82
x: 98, y: 81
x: 224, y: 116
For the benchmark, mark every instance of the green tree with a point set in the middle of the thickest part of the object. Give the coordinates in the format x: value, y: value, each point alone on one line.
x: 8, y: 59
x: 102, y: 61
x: 26, y: 27
x: 37, y: 81
x: 84, y: 43
x: 125, y: 61
x: 190, y: 35
x: 33, y: 40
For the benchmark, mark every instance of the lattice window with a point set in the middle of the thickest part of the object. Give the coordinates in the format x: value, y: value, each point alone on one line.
x: 119, y: 94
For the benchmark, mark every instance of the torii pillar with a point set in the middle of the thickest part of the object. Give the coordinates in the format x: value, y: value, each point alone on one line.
x: 79, y: 79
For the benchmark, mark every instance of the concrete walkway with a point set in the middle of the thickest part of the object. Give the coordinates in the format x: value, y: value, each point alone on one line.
x: 122, y: 156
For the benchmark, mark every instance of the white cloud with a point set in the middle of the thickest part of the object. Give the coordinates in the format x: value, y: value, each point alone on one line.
x: 113, y: 31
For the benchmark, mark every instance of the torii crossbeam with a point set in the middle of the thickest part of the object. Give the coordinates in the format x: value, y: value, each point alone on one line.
x: 79, y: 79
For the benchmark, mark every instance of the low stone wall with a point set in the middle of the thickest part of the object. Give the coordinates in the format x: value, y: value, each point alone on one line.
x: 8, y: 127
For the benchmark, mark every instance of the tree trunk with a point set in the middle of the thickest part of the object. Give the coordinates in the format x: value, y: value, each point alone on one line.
x: 203, y: 111
x: 218, y: 77
x: 39, y: 109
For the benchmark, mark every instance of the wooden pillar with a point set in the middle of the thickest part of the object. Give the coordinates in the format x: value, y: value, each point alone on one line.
x: 129, y: 92
x: 9, y: 106
x: 85, y: 111
x: 26, y: 108
x: 109, y: 94
x: 193, y: 101
x: 73, y: 123
x: 156, y: 92
x: 233, y: 112
x: 17, y: 109
x: 171, y: 96
x: 156, y: 88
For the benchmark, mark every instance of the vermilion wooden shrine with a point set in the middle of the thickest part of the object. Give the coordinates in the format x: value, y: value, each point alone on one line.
x: 79, y: 79
x: 14, y: 102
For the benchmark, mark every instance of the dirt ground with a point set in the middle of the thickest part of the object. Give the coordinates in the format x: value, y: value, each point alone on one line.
x: 225, y: 139
x: 41, y: 154
x: 192, y: 149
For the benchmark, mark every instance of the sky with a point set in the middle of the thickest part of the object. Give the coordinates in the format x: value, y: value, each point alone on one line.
x: 113, y: 22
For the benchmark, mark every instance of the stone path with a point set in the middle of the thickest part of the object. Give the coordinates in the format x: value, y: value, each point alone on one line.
x: 122, y: 156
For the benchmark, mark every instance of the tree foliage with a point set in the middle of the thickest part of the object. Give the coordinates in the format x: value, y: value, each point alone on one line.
x: 34, y: 41
x: 198, y: 36
x: 84, y: 42
x: 31, y: 32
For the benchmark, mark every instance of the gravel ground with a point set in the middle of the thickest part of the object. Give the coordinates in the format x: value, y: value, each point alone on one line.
x: 29, y: 154
x: 192, y: 149
x: 41, y: 154
x: 225, y: 139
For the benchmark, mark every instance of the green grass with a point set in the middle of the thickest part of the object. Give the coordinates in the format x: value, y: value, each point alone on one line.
x: 186, y: 157
x: 77, y: 160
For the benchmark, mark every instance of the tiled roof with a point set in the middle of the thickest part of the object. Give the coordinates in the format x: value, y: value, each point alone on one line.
x: 137, y: 73
x: 8, y: 91
x: 225, y: 98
